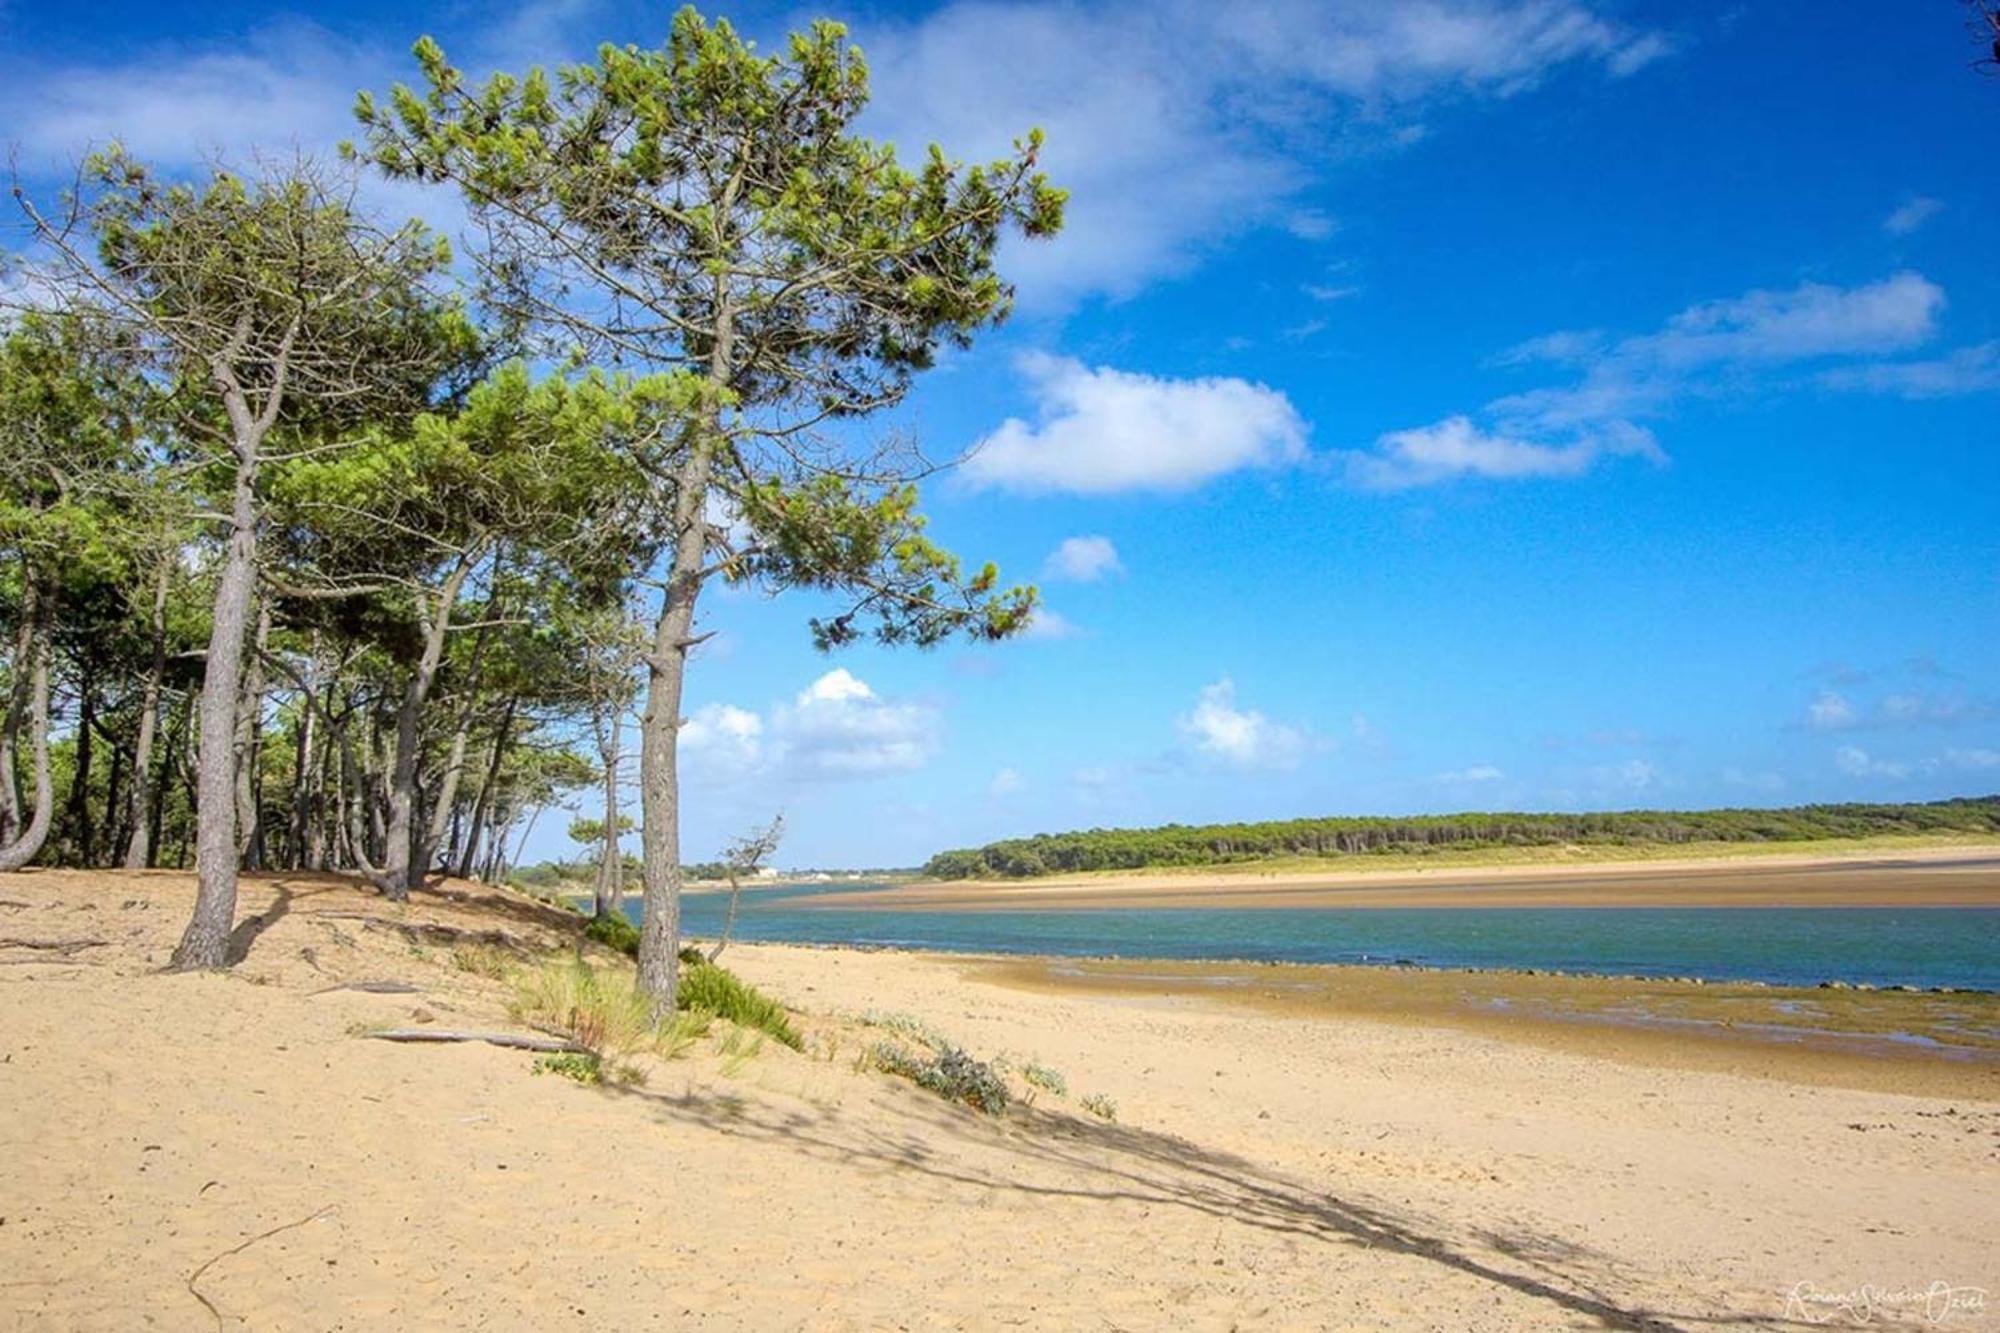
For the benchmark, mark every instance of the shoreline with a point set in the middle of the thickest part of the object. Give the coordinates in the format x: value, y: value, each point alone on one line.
x: 1391, y: 965
x: 1937, y: 1041
x: 1919, y: 875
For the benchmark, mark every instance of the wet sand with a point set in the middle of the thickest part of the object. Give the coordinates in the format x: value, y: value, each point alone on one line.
x: 1931, y: 877
x: 1934, y: 1044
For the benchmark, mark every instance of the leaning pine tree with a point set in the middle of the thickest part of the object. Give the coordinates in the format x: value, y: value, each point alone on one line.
x: 279, y: 321
x: 704, y: 210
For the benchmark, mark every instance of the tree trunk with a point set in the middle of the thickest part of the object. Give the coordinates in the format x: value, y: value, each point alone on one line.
x: 34, y: 666
x: 249, y: 741
x: 659, y: 753
x: 205, y: 942
x: 477, y: 824
x: 611, y: 858
x: 446, y: 803
x: 139, y: 851
x: 17, y: 709
x: 666, y: 673
x: 77, y: 815
x: 398, y: 855
x: 304, y: 768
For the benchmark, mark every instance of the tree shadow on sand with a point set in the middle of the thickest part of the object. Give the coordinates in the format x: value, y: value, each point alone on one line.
x: 1120, y: 1163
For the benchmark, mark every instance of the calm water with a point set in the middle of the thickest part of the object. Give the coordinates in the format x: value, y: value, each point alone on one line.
x: 1936, y: 946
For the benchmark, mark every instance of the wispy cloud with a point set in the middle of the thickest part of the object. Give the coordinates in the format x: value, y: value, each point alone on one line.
x: 1730, y: 345
x: 1169, y: 156
x: 1455, y: 447
x: 1911, y: 214
x: 1973, y: 369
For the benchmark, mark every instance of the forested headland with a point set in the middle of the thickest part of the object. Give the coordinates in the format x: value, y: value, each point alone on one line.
x: 1367, y: 835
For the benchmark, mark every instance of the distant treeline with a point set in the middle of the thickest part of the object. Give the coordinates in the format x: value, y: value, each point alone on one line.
x: 1221, y: 844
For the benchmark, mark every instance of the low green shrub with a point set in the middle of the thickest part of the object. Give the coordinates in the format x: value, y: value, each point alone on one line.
x: 1100, y: 1106
x: 949, y: 1072
x: 582, y: 1066
x: 718, y: 991
x: 615, y: 932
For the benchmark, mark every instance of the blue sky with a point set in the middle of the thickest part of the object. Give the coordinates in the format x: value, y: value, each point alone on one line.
x: 1462, y: 404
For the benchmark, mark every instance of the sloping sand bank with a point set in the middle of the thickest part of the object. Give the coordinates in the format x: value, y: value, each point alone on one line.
x: 193, y: 1152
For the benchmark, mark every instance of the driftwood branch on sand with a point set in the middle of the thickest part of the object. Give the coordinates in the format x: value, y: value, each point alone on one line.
x: 515, y: 1040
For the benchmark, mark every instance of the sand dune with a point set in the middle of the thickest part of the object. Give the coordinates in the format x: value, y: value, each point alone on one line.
x: 226, y: 1151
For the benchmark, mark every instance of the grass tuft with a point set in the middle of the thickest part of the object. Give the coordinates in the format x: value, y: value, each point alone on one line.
x: 1100, y: 1106
x: 602, y: 1010
x: 1048, y: 1080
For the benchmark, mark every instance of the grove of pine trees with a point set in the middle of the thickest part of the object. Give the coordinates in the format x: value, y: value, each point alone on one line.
x: 325, y: 545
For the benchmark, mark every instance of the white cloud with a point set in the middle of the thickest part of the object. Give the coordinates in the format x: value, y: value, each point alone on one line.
x: 1475, y: 774
x: 1857, y: 762
x: 1083, y: 560
x: 288, y: 85
x: 1973, y: 759
x: 1167, y: 155
x: 1830, y: 712
x: 1005, y: 783
x: 1623, y: 780
x: 1238, y: 737
x: 1329, y: 294
x: 1104, y: 431
x: 1455, y: 447
x: 1973, y: 369
x: 1712, y: 347
x: 1911, y: 214
x: 1833, y: 711
x: 1048, y: 626
x: 724, y: 738
x: 836, y: 727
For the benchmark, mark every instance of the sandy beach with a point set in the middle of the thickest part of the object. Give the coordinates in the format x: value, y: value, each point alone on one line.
x: 232, y: 1151
x: 1966, y: 875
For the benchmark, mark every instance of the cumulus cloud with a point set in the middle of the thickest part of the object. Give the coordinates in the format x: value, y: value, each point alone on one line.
x: 1168, y: 156
x: 1728, y: 345
x: 724, y: 738
x: 1083, y: 560
x: 1238, y: 737
x: 836, y: 727
x: 1911, y: 214
x: 1101, y: 431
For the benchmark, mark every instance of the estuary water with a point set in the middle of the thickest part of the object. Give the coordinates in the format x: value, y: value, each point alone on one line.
x: 1924, y: 946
